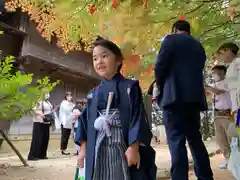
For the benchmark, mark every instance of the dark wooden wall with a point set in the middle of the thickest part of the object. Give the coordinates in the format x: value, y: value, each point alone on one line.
x: 35, y: 45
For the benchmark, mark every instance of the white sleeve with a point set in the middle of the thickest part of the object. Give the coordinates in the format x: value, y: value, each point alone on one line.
x: 222, y: 85
x: 233, y: 82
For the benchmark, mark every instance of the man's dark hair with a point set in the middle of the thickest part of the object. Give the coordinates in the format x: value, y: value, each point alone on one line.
x: 181, y: 25
x: 220, y: 68
x: 233, y: 47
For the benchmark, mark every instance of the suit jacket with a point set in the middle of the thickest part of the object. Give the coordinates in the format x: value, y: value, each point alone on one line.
x: 179, y: 72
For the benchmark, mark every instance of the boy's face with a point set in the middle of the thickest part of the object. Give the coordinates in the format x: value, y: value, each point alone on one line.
x: 225, y: 55
x: 218, y: 75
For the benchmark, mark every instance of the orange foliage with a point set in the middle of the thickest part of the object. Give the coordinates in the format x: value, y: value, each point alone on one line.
x: 117, y: 40
x: 44, y: 17
x: 149, y: 71
x: 132, y: 63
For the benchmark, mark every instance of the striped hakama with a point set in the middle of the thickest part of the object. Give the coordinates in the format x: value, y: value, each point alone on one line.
x: 110, y: 161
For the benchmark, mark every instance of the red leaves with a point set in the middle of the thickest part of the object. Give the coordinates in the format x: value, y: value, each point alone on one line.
x: 92, y: 9
x: 182, y: 17
x: 114, y: 4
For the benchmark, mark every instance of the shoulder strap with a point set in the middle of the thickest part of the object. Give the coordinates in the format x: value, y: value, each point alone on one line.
x: 50, y: 105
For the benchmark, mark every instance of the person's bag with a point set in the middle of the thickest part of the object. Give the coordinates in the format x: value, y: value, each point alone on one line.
x: 57, y: 121
x: 80, y: 173
x: 234, y: 163
x: 48, y: 118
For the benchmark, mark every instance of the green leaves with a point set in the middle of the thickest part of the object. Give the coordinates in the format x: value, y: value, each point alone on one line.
x: 17, y: 94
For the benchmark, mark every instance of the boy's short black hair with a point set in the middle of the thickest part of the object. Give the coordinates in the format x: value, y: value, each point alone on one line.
x: 220, y: 68
x: 232, y: 46
x: 111, y: 46
x: 181, y: 25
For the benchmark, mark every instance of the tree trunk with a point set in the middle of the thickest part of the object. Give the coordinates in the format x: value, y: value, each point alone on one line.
x: 14, y: 148
x: 4, y: 126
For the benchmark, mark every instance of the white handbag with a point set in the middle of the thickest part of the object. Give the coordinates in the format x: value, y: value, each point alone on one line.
x: 234, y: 160
x: 80, y: 173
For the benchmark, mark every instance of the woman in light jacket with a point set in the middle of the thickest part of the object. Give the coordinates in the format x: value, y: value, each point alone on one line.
x: 65, y: 112
x: 41, y: 130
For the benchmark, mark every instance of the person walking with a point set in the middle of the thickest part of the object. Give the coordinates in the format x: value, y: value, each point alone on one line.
x: 179, y: 77
x: 65, y: 112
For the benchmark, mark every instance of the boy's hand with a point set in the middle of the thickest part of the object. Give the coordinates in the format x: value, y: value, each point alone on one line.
x: 214, y: 90
x: 81, y: 155
x: 132, y: 155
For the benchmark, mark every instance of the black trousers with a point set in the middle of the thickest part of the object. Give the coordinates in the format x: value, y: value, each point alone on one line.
x: 183, y: 123
x: 65, y: 134
x: 40, y: 140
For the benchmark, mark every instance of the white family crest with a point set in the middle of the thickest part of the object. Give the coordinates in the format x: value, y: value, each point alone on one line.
x: 128, y: 90
x: 90, y: 96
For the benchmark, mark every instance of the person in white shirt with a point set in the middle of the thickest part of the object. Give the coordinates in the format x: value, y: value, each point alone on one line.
x: 222, y: 112
x: 228, y: 54
x: 41, y: 130
x: 65, y: 119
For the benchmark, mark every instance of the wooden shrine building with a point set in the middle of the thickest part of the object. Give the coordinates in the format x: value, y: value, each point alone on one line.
x: 36, y: 55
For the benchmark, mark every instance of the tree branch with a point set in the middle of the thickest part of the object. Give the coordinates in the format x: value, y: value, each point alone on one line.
x: 216, y: 27
x: 175, y: 17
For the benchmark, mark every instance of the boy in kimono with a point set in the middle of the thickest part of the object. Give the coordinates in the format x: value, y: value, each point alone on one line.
x: 222, y: 109
x: 114, y: 145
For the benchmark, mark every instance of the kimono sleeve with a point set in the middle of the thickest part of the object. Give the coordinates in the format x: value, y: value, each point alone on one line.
x: 81, y: 133
x: 139, y: 129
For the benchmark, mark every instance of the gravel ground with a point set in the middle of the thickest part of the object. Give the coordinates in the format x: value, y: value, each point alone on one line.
x: 59, y: 168
x: 219, y: 174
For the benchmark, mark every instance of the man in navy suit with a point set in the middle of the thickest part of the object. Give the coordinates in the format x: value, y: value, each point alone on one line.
x: 179, y: 76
